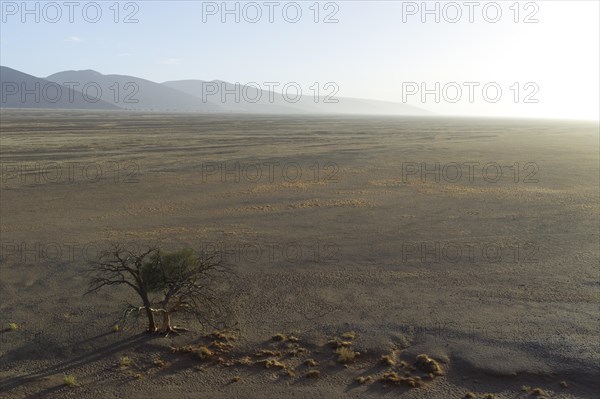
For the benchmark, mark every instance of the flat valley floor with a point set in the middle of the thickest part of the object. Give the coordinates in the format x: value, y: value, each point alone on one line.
x: 474, y: 241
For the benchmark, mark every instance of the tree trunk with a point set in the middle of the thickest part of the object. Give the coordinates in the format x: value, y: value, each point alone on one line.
x: 167, y: 322
x: 151, y: 323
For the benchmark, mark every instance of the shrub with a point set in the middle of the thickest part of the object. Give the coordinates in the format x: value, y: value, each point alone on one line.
x: 70, y: 381
x: 125, y: 361
x: 345, y: 354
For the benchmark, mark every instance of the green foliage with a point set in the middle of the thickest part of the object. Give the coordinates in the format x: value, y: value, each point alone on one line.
x: 165, y: 268
x: 70, y: 381
x: 167, y: 283
x: 125, y: 361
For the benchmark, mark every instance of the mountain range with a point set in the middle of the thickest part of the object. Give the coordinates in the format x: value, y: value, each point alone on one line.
x: 88, y: 89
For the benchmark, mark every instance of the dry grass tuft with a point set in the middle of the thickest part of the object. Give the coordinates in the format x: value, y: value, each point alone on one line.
x: 70, y: 381
x: 393, y: 378
x: 223, y: 336
x: 313, y: 374
x: 337, y: 343
x: 245, y: 361
x: 125, y: 361
x: 345, y: 355
x: 182, y: 349
x: 470, y: 395
x: 388, y: 360
x: 279, y: 337
x: 223, y: 346
x: 311, y: 363
x: 296, y: 351
x: 204, y: 353
x: 267, y: 353
x: 363, y: 380
x: 349, y: 335
x: 272, y: 364
x: 225, y: 363
x: 428, y: 365
x: 538, y: 392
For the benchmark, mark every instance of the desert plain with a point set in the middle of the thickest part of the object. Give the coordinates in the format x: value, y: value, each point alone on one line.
x: 473, y: 241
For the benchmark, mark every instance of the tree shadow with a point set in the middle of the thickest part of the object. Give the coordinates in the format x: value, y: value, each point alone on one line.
x: 46, y: 392
x: 87, y: 358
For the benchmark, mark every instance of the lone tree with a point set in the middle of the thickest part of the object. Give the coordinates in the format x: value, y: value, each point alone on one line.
x: 186, y: 282
x: 166, y: 283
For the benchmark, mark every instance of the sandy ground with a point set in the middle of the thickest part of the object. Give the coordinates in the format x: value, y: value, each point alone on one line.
x: 330, y: 227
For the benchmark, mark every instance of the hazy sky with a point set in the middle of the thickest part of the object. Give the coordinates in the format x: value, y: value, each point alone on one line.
x: 378, y: 50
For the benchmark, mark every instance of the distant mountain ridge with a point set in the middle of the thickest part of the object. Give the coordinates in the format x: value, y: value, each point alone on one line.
x: 130, y: 92
x: 90, y: 89
x: 20, y: 90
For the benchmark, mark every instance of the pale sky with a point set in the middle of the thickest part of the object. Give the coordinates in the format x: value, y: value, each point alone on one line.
x: 376, y: 50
